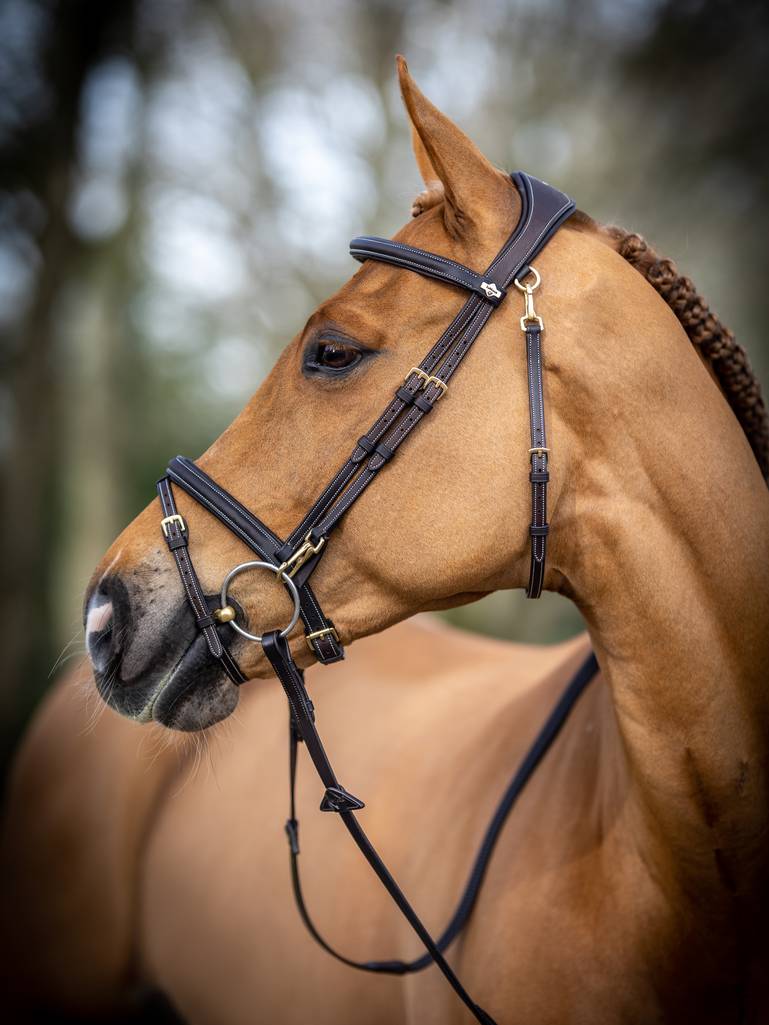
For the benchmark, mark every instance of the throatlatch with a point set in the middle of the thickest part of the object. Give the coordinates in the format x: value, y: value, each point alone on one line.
x: 543, y: 210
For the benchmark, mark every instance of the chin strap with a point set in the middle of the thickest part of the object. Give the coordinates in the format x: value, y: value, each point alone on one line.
x: 337, y: 799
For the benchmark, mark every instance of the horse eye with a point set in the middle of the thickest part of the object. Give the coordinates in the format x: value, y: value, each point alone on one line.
x: 337, y: 355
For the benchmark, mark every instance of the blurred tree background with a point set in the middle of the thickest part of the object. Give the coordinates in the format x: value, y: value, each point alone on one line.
x: 170, y: 169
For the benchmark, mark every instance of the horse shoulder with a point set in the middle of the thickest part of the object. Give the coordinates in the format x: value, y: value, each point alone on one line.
x: 77, y: 808
x: 581, y: 889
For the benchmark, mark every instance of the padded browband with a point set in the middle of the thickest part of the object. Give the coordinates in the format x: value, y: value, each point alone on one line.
x: 533, y: 232
x: 370, y: 247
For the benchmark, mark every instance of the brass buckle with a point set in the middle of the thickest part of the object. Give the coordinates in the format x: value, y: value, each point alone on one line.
x: 530, y: 314
x: 539, y: 450
x: 165, y: 524
x: 427, y: 380
x: 300, y: 556
x: 327, y: 631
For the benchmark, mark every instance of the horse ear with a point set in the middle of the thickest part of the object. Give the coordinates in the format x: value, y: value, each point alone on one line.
x: 433, y: 190
x: 452, y: 167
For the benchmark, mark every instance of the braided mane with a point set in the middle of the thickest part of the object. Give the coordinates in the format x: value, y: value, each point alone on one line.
x: 716, y: 343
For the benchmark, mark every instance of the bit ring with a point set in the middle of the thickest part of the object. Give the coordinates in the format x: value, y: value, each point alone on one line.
x: 290, y: 587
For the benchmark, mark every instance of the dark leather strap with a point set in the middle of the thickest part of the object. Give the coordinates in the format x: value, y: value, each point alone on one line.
x: 261, y: 540
x: 292, y: 679
x: 542, y: 744
x: 538, y: 222
x: 382, y: 425
x: 371, y: 247
x: 539, y: 474
x: 176, y: 534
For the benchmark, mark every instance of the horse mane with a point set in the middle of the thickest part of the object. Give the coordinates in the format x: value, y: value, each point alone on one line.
x: 716, y: 344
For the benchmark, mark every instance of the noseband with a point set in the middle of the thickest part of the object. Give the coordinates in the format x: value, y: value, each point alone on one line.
x: 544, y: 209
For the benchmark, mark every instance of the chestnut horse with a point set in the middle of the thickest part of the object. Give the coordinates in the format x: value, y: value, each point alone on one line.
x: 630, y: 884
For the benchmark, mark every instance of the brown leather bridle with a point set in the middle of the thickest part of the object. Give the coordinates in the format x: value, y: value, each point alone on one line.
x: 544, y: 209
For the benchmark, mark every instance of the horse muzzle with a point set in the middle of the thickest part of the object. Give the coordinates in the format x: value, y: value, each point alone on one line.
x: 150, y: 662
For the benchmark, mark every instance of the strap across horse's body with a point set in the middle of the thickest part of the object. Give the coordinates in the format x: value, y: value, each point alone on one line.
x: 543, y: 210
x: 336, y: 796
x: 338, y: 799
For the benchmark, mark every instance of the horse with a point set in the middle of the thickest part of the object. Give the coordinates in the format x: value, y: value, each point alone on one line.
x: 630, y: 883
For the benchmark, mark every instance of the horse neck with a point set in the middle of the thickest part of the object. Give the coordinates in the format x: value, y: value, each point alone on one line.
x: 664, y: 528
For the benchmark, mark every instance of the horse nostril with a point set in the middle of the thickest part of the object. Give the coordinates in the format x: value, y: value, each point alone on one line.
x: 100, y: 634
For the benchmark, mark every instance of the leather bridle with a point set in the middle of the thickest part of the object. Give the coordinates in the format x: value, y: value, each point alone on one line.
x: 544, y: 209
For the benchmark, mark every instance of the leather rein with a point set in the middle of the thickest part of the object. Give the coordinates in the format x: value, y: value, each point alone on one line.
x: 544, y: 209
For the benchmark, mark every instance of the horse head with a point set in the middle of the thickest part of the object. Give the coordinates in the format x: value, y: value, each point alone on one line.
x: 448, y: 519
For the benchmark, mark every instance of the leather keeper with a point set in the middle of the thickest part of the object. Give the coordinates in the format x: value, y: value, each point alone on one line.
x: 539, y: 476
x: 384, y: 451
x: 180, y: 541
x: 327, y: 650
x: 292, y: 832
x: 284, y: 554
x: 367, y: 445
x: 414, y: 399
x: 542, y: 531
x: 205, y: 621
x: 327, y: 647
